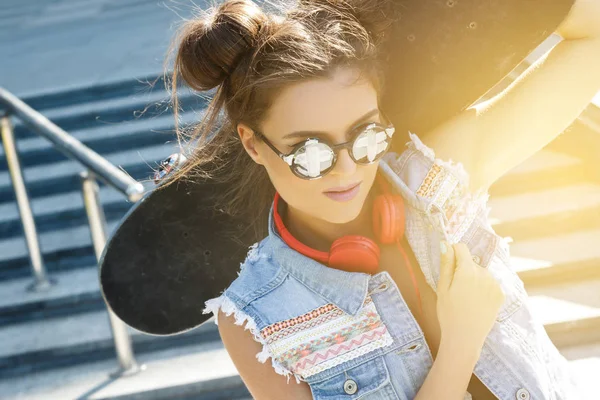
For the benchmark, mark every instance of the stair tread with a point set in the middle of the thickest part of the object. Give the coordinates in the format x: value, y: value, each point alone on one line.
x: 60, y: 332
x: 565, y: 302
x: 574, y: 197
x: 162, y: 123
x: 66, y: 331
x: 64, y: 239
x: 580, y: 246
x: 137, y: 103
x: 68, y: 283
x: 167, y: 368
x: 61, y: 202
x: 126, y: 158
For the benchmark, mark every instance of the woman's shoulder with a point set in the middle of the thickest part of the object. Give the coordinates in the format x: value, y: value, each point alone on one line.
x: 266, y: 290
x: 424, y: 176
x: 267, y: 298
x: 438, y: 189
x: 256, y: 272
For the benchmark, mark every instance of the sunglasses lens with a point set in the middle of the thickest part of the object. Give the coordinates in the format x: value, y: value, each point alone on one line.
x: 371, y: 144
x: 313, y: 159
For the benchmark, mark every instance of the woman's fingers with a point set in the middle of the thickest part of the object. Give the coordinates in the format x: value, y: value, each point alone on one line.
x: 447, y: 264
x: 463, y: 256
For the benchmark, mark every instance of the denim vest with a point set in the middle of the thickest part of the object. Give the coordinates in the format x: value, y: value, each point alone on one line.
x: 350, y: 335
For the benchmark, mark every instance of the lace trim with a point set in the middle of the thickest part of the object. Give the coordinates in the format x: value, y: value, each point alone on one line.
x: 228, y: 307
x: 446, y: 186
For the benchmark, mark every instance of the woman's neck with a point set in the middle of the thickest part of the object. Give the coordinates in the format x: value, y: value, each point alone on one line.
x: 319, y: 234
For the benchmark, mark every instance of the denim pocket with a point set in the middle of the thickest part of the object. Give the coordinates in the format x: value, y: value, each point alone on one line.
x: 369, y: 380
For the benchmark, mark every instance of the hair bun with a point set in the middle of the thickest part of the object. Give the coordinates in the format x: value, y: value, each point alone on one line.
x: 210, y: 46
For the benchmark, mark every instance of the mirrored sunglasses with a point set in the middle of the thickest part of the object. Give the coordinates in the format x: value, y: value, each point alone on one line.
x: 313, y: 158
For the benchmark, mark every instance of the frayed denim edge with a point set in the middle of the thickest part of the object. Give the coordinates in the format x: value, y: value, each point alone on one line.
x: 229, y: 307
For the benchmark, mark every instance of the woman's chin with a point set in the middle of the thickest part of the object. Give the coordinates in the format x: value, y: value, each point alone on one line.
x: 343, y: 213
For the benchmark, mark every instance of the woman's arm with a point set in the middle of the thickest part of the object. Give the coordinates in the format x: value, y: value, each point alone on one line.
x: 260, y: 379
x: 512, y: 126
x: 450, y: 374
x: 583, y: 21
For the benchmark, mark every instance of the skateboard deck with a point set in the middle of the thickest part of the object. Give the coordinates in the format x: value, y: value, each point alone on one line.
x: 172, y: 251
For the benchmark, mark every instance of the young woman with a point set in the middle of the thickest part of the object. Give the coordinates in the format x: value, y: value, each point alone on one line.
x: 379, y: 276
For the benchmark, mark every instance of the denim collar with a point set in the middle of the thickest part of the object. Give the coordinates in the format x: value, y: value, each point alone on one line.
x: 347, y: 290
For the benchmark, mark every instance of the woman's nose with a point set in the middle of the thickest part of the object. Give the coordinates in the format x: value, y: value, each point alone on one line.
x: 344, y: 165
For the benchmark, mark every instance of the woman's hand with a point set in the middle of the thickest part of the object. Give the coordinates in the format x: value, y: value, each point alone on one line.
x: 468, y: 299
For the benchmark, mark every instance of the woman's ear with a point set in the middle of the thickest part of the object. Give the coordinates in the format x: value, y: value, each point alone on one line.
x: 249, y: 141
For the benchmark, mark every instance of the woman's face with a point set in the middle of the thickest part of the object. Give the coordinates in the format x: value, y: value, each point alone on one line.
x: 331, y: 106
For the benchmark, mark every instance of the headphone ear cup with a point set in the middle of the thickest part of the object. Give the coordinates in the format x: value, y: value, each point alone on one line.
x: 388, y: 218
x: 354, y: 253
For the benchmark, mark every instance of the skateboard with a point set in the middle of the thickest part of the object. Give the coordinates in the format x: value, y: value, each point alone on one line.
x: 173, y: 250
x: 170, y: 252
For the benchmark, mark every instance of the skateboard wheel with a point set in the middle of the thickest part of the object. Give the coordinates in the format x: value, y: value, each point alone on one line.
x: 169, y: 164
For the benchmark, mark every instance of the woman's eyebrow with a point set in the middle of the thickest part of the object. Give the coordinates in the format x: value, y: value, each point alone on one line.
x: 356, y: 123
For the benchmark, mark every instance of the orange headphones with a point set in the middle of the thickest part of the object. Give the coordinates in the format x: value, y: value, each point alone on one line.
x: 355, y: 253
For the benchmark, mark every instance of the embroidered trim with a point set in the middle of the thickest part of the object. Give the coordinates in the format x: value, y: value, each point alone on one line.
x: 228, y: 307
x: 432, y: 181
x: 271, y: 329
x: 445, y: 185
x: 325, y: 337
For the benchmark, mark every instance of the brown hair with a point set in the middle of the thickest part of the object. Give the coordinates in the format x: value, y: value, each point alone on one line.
x: 248, y: 55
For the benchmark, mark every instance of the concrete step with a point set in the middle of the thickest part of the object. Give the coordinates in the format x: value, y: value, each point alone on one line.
x: 75, y: 292
x: 74, y: 339
x: 63, y: 176
x: 547, y: 212
x: 14, y: 254
x: 111, y: 133
x: 508, y: 209
x: 570, y: 257
x: 112, y: 112
x: 200, y: 371
x: 59, y: 211
x: 570, y: 312
x: 68, y: 96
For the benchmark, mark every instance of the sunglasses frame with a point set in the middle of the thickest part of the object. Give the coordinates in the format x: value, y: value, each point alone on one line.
x: 289, y: 158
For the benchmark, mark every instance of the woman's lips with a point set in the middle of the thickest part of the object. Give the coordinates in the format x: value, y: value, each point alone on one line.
x: 345, y: 195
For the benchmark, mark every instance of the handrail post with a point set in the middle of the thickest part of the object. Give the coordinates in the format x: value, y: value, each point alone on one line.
x: 97, y: 221
x: 41, y: 281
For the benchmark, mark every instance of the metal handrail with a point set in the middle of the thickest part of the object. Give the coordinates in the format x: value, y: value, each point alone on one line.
x: 96, y: 166
x: 72, y: 147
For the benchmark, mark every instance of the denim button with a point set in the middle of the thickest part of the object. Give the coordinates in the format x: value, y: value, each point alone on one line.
x: 522, y: 394
x: 350, y: 387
